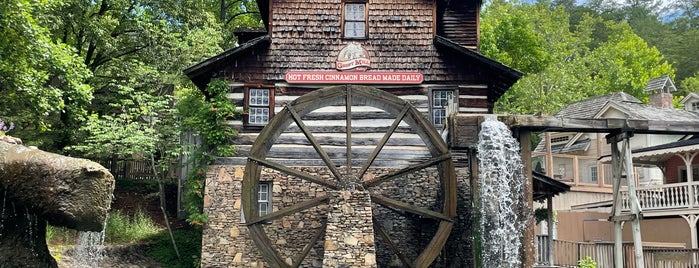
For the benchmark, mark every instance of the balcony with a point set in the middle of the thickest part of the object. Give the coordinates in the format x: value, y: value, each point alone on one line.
x: 665, y: 200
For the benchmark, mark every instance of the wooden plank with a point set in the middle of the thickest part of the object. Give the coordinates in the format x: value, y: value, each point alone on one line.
x: 336, y: 139
x: 384, y: 140
x: 316, y: 145
x: 433, y: 249
x: 337, y: 153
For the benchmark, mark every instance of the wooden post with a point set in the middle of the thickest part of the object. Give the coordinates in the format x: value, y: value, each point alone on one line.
x: 549, y: 228
x: 622, y: 160
x: 529, y: 252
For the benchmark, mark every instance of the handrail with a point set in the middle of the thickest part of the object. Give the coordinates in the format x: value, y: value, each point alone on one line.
x: 665, y: 196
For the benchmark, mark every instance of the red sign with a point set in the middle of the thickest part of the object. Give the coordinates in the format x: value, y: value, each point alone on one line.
x: 332, y: 77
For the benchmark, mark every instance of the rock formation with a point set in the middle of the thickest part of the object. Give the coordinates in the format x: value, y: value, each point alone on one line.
x: 37, y: 187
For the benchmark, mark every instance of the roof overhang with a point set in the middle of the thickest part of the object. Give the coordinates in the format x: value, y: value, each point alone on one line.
x: 545, y: 186
x: 502, y: 76
x: 202, y: 72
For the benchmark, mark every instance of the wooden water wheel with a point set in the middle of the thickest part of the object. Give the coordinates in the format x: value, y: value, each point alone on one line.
x: 347, y: 97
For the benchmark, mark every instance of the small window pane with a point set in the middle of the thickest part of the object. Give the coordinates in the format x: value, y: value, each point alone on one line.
x: 258, y: 115
x: 354, y: 12
x: 354, y: 29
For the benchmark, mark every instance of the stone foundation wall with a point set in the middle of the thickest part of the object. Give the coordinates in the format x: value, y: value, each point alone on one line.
x: 226, y: 241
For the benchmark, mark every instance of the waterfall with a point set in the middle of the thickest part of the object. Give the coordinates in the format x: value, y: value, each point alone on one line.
x: 500, y: 186
x: 89, y: 250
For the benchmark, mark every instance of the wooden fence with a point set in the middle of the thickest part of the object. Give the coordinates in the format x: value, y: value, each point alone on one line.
x: 568, y: 253
x: 131, y: 169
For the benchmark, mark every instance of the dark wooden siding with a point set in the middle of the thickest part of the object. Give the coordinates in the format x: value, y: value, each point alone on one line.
x: 459, y: 23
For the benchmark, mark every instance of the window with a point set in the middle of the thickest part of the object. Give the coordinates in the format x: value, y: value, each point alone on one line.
x: 354, y: 24
x: 593, y: 174
x: 560, y: 139
x: 259, y: 106
x: 264, y: 200
x: 439, y: 104
x: 683, y: 173
x: 695, y: 106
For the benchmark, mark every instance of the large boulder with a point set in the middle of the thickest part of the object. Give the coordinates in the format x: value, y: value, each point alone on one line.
x: 36, y: 187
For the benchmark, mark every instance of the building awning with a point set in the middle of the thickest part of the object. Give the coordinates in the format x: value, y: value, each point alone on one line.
x: 545, y: 186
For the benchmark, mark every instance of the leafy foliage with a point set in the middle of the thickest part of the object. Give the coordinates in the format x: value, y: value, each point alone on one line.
x: 587, y: 262
x: 565, y: 60
x: 207, y: 118
x: 42, y: 81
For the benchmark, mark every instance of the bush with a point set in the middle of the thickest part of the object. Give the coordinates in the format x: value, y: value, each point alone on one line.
x: 122, y: 229
x: 587, y: 263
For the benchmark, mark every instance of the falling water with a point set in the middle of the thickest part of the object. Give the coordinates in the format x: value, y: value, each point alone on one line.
x: 90, y: 249
x: 500, y: 184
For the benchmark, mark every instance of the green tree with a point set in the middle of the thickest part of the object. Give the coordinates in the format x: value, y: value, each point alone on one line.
x: 142, y: 45
x: 569, y: 62
x: 40, y: 80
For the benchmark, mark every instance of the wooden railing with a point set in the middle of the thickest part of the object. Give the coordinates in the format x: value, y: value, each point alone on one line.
x: 667, y: 196
x: 568, y: 253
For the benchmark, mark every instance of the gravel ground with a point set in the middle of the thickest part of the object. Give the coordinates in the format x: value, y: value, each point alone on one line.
x: 121, y: 256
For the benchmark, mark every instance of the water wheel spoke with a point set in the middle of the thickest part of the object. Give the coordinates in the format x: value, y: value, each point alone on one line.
x: 400, y: 205
x: 384, y: 140
x: 288, y: 210
x: 348, y: 117
x: 310, y: 245
x: 314, y: 142
x: 392, y: 246
x: 258, y: 236
x: 293, y: 172
x: 412, y: 168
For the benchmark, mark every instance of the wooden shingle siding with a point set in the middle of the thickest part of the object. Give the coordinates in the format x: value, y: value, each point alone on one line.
x: 307, y: 36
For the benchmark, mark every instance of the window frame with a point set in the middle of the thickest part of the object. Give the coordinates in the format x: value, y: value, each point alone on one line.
x: 343, y: 21
x: 270, y: 198
x: 682, y: 172
x: 694, y: 106
x: 433, y: 108
x: 247, y: 106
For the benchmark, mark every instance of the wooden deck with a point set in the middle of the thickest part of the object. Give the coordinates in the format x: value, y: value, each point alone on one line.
x: 666, y: 200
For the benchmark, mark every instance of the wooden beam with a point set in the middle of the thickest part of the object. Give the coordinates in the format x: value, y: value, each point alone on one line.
x: 293, y: 172
x: 392, y: 246
x: 431, y: 162
x: 528, y: 237
x: 423, y: 212
x: 287, y: 210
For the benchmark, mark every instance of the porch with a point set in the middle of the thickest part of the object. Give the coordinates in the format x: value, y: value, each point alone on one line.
x: 665, y: 200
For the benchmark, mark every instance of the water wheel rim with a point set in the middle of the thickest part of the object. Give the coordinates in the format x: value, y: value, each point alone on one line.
x: 367, y: 96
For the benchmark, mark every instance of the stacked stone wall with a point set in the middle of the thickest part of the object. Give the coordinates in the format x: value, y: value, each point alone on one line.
x: 226, y: 241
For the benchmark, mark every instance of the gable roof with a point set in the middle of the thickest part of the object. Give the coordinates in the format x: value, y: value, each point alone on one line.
x: 631, y: 106
x: 588, y: 108
x: 505, y: 75
x: 198, y: 73
x: 689, y: 97
x: 661, y: 84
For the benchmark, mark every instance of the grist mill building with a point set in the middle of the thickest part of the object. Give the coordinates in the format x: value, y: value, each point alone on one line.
x: 341, y: 159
